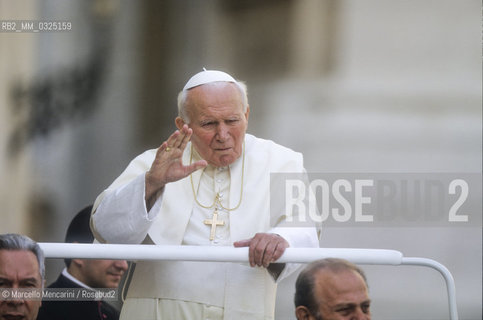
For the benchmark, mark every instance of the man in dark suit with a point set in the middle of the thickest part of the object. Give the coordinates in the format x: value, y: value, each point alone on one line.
x: 84, y: 273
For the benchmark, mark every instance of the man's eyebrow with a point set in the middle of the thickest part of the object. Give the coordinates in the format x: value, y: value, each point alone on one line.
x: 4, y: 279
x: 205, y: 118
x: 366, y: 302
x: 31, y: 279
x: 352, y: 303
x: 344, y: 305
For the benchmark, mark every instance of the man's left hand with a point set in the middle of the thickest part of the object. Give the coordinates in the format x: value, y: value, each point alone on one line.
x: 265, y: 248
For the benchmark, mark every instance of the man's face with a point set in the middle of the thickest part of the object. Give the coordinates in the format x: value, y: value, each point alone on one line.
x: 342, y: 295
x: 101, y: 273
x: 218, y: 122
x: 19, y: 269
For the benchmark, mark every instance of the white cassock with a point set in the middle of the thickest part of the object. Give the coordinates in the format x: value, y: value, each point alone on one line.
x: 201, y: 290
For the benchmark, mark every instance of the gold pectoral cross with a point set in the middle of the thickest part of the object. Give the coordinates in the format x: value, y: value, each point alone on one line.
x: 214, y: 223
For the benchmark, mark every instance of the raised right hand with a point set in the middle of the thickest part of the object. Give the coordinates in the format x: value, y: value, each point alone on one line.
x: 168, y: 166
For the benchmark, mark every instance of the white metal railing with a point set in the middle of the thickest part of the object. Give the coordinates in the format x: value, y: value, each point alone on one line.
x: 231, y: 254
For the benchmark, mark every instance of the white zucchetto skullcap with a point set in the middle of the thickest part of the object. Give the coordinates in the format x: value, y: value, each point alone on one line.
x: 207, y: 76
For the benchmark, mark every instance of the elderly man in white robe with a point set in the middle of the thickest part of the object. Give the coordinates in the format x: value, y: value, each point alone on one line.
x: 208, y: 184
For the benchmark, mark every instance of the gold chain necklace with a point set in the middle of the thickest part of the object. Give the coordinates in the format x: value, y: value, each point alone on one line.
x: 217, y: 197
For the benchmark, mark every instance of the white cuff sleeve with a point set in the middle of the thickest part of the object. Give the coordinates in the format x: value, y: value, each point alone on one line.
x: 297, y: 238
x: 121, y: 217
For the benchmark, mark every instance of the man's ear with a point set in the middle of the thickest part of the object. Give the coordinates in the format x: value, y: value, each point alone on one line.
x: 77, y: 262
x: 302, y: 313
x: 179, y: 123
x: 42, y: 286
x: 247, y: 113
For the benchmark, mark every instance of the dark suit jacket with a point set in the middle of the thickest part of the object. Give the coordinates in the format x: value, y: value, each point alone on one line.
x: 75, y: 310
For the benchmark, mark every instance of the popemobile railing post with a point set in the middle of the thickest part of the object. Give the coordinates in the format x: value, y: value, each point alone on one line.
x: 231, y: 254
